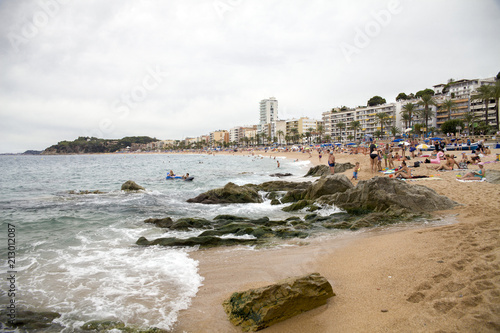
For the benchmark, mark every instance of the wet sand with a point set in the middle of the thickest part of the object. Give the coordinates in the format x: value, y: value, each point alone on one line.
x: 421, y: 279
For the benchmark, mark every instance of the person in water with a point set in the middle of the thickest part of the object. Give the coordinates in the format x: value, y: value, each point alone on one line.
x: 171, y: 174
x: 186, y: 176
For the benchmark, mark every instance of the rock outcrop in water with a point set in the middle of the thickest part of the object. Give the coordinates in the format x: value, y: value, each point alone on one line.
x: 387, y: 194
x: 31, y: 321
x: 230, y: 193
x: 256, y: 309
x: 218, y: 232
x: 130, y: 185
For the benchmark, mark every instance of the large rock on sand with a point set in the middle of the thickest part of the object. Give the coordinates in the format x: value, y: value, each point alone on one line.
x: 328, y: 185
x: 324, y: 170
x: 130, y: 185
x: 380, y: 193
x: 230, y: 193
x: 256, y: 309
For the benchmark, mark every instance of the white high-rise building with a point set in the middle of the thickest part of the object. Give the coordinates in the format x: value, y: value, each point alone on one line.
x: 268, y: 116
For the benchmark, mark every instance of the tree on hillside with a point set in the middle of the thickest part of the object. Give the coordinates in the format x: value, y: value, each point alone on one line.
x: 448, y: 105
x: 376, y: 100
x: 484, y: 93
x: 426, y: 113
x: 427, y: 91
x: 402, y: 96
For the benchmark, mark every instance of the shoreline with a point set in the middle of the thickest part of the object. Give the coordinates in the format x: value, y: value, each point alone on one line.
x: 424, y: 279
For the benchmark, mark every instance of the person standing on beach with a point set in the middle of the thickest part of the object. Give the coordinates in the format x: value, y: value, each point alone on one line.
x: 331, y: 162
x: 373, y: 156
x: 357, y: 167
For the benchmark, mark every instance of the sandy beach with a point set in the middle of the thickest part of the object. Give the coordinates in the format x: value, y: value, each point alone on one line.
x: 423, y: 279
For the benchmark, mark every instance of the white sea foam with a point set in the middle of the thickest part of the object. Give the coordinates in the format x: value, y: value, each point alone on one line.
x: 102, y: 279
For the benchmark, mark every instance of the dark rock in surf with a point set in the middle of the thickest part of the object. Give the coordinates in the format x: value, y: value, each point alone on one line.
x: 32, y: 321
x: 166, y: 222
x: 279, y: 175
x: 230, y: 193
x: 130, y: 185
x: 202, y: 241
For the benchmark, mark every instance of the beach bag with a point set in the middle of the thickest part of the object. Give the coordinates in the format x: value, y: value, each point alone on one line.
x: 416, y: 164
x: 462, y: 165
x: 427, y: 160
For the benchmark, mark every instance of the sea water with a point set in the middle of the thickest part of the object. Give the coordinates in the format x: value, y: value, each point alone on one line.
x: 75, y: 254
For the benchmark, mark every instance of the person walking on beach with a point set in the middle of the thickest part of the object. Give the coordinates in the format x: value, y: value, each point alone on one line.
x: 331, y: 162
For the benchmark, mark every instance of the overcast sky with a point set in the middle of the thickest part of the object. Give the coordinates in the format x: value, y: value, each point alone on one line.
x: 182, y: 68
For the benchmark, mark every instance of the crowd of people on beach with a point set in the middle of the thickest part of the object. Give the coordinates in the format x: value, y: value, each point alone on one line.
x: 384, y: 156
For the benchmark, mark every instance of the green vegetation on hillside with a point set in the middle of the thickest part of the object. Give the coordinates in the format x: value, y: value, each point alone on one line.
x: 87, y: 145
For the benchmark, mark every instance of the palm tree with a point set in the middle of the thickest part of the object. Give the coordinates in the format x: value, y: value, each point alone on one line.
x: 426, y: 100
x: 382, y: 118
x: 328, y: 138
x: 448, y: 105
x: 468, y: 118
x: 495, y: 94
x: 280, y: 134
x: 406, y: 118
x: 295, y: 134
x: 395, y: 130
x: 355, y: 125
x: 409, y: 109
x: 341, y: 126
x: 484, y: 93
x: 320, y: 130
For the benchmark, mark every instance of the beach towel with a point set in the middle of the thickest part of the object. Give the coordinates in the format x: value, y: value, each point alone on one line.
x: 417, y: 179
x: 471, y: 181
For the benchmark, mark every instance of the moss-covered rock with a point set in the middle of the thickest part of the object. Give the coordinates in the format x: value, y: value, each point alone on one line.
x: 32, y: 320
x: 202, y: 241
x: 230, y: 193
x: 256, y: 309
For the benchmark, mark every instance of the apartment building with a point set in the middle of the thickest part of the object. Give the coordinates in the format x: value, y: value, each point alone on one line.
x: 236, y: 134
x: 301, y: 125
x: 268, y: 116
x: 462, y: 93
x: 219, y: 137
x: 367, y: 117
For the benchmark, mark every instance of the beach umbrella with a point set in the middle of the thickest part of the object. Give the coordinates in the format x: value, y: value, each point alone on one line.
x: 434, y: 139
x: 338, y: 144
x: 397, y: 140
x: 422, y: 146
x: 406, y: 143
x: 351, y: 144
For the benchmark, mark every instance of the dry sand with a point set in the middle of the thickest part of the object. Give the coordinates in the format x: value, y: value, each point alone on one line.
x: 424, y: 279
